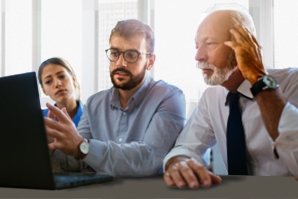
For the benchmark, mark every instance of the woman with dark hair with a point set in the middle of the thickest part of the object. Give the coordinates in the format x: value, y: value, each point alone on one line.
x: 58, y: 80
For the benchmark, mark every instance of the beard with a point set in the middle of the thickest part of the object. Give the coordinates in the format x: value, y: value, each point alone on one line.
x: 132, y: 82
x: 220, y: 75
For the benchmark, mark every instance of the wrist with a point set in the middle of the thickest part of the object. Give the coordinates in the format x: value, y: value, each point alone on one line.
x: 82, y: 149
x: 255, y: 78
x: 52, y: 151
x: 174, y: 160
x: 266, y: 82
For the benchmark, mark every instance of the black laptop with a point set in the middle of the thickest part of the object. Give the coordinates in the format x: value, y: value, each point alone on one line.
x: 25, y: 160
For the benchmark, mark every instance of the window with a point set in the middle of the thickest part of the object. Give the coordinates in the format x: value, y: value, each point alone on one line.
x: 175, y: 45
x: 285, y: 33
x: 61, y: 34
x: 61, y: 31
x: 99, y: 17
x: 109, y: 12
x: 77, y: 30
x: 16, y: 37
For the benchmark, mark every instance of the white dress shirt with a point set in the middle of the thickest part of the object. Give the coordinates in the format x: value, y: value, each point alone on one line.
x: 208, y: 123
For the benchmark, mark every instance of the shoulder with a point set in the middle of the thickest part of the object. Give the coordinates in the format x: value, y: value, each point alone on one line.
x: 79, y: 113
x: 45, y: 112
x: 98, y: 100
x: 287, y: 78
x: 101, y: 95
x: 213, y: 95
x: 214, y: 92
x: 81, y: 107
x: 161, y: 87
x: 284, y: 73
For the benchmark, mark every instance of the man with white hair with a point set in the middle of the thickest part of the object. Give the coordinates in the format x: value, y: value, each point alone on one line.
x: 230, y: 58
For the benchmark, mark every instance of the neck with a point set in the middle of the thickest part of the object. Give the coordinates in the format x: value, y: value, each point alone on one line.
x: 234, y: 81
x: 70, y: 105
x: 125, y: 95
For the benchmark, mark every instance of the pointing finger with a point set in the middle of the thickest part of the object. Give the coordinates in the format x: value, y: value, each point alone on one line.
x: 58, y: 113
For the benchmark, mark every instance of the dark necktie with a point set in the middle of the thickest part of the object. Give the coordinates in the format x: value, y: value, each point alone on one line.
x: 236, y: 147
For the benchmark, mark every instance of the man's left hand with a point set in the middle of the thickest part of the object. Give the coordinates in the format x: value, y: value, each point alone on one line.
x: 248, y: 54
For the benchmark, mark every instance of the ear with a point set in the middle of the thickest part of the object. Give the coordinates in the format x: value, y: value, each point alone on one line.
x: 74, y: 79
x: 151, y: 61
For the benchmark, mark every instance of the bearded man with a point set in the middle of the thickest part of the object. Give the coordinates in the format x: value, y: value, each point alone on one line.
x: 264, y: 142
x: 128, y: 129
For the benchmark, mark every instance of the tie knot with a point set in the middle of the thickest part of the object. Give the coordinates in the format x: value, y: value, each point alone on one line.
x: 233, y: 98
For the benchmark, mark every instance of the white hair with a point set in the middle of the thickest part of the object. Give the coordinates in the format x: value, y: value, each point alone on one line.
x: 240, y: 15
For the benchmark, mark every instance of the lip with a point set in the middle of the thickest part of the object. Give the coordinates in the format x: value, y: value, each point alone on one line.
x: 205, y: 70
x: 121, y: 74
x: 60, y: 92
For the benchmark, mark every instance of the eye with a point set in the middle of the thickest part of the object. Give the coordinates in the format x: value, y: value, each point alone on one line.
x: 62, y: 76
x: 211, y: 45
x: 114, y: 53
x: 48, y: 82
x: 131, y: 55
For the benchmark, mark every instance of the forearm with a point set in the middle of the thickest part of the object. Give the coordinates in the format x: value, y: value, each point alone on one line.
x: 125, y: 160
x: 67, y: 163
x: 287, y: 142
x: 271, y: 103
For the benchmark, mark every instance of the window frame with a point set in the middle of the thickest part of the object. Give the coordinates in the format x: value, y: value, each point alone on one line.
x: 261, y: 11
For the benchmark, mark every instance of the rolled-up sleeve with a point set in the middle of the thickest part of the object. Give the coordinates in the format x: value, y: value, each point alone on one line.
x: 286, y: 144
x: 196, y: 138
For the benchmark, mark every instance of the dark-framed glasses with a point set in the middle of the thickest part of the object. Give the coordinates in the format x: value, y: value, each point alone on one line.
x: 130, y: 56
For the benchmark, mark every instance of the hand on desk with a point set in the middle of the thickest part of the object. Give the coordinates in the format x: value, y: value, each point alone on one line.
x: 62, y: 134
x: 184, y: 172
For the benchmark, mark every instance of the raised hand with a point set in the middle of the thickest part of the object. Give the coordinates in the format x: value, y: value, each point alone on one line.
x: 248, y: 54
x: 62, y: 131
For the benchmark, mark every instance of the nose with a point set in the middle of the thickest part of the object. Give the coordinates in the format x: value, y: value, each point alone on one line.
x: 58, y: 83
x: 121, y: 61
x: 201, y: 54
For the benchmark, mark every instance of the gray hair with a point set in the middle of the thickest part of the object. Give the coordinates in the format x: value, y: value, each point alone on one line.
x: 240, y: 15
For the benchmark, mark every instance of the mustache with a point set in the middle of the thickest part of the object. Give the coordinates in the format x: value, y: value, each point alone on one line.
x: 120, y: 70
x: 204, y: 65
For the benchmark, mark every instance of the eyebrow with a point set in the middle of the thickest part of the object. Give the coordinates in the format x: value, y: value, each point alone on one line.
x: 208, y: 38
x: 55, y: 74
x: 125, y: 50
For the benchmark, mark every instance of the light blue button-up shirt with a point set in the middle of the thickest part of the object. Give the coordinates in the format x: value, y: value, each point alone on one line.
x: 132, y: 141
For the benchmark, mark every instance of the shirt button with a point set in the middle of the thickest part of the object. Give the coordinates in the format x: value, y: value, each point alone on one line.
x: 120, y: 139
x: 124, y: 113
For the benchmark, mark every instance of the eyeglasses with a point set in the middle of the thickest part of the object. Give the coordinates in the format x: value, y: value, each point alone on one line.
x: 130, y: 56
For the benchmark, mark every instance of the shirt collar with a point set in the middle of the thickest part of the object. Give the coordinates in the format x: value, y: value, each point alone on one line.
x: 137, y: 97
x: 77, y: 117
x: 243, y: 89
